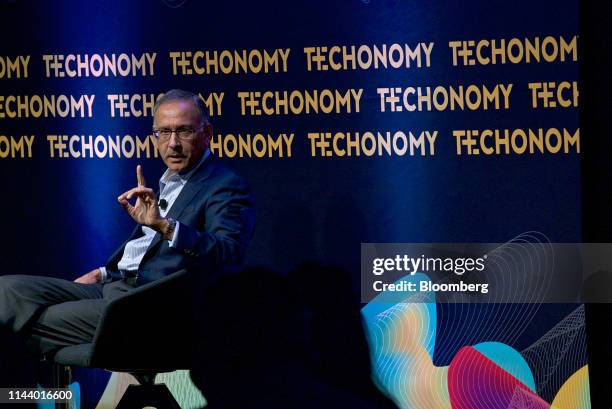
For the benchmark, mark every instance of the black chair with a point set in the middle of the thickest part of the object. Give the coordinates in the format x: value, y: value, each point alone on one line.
x: 149, y: 331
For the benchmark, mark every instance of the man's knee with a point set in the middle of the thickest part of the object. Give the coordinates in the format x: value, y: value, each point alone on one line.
x: 17, y: 287
x: 9, y: 297
x: 9, y: 283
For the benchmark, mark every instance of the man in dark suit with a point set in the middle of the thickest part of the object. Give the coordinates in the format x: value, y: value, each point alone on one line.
x: 202, y: 220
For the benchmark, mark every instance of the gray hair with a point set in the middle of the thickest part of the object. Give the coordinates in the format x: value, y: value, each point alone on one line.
x: 179, y: 94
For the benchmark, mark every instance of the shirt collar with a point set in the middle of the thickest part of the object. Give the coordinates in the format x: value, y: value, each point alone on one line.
x: 169, y: 176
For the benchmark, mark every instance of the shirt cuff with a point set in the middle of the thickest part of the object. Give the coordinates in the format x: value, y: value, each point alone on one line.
x: 104, y: 275
x: 174, y: 241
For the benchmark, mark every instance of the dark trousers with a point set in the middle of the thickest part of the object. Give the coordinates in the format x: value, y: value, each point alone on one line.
x: 51, y: 313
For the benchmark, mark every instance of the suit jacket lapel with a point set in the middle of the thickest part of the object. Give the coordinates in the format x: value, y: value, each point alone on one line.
x: 193, y: 186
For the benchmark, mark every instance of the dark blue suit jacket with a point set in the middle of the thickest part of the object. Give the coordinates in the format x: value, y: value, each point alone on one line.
x: 216, y: 216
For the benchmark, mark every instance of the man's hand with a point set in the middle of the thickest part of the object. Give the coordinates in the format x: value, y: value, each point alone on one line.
x: 94, y: 276
x: 145, y: 211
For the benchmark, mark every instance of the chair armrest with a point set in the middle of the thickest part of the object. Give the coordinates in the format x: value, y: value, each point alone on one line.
x: 152, y: 319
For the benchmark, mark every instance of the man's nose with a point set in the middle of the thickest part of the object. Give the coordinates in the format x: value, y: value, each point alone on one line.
x: 174, y: 140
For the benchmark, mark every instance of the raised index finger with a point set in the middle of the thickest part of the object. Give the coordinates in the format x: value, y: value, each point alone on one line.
x: 140, y: 176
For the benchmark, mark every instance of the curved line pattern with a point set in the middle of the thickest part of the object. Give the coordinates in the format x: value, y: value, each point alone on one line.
x: 406, y: 336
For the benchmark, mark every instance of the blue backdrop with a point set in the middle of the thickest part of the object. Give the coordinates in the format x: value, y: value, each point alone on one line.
x: 61, y: 215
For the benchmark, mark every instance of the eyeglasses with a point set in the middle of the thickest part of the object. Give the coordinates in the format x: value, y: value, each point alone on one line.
x: 184, y: 133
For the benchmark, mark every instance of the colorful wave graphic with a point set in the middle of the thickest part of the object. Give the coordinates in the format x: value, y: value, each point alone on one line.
x: 488, y: 375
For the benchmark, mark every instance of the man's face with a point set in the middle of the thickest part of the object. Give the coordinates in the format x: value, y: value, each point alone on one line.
x: 178, y: 153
